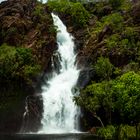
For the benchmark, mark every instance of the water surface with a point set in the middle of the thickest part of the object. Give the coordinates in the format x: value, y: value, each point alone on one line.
x: 81, y: 136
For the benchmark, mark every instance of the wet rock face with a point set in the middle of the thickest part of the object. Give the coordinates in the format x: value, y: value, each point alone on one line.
x: 33, y: 114
x: 85, y: 77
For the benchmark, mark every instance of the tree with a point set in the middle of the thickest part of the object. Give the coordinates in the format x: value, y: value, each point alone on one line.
x: 75, y: 11
x: 121, y: 95
x: 17, y: 63
x: 127, y: 90
x: 96, y: 96
x: 103, y: 68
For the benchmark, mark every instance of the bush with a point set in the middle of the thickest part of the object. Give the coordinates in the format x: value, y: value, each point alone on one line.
x: 39, y: 13
x: 115, y: 20
x: 97, y: 96
x: 75, y: 11
x: 127, y: 91
x: 116, y: 3
x: 103, y: 68
x: 127, y: 132
x: 108, y: 132
x: 121, y: 95
x: 112, y: 41
x: 17, y: 62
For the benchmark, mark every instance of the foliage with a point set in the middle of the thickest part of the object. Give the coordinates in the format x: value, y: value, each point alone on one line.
x: 17, y: 62
x: 124, y: 40
x: 76, y: 12
x: 132, y: 66
x: 112, y: 41
x: 39, y: 13
x: 126, y: 131
x: 108, y: 132
x: 127, y: 91
x: 122, y: 94
x: 116, y: 3
x: 96, y: 96
x: 104, y: 68
x: 115, y: 20
x: 125, y: 5
x: 38, y: 10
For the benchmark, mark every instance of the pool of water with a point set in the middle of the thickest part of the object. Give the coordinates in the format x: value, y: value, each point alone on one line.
x: 82, y: 136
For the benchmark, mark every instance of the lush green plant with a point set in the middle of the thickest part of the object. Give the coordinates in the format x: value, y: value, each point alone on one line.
x: 103, y: 68
x: 76, y: 12
x: 107, y: 132
x: 125, y: 5
x: 132, y: 66
x: 17, y: 62
x: 127, y: 90
x: 95, y: 96
x: 115, y: 20
x: 124, y: 40
x: 79, y: 14
x: 40, y: 15
x: 116, y: 3
x: 38, y: 10
x: 112, y: 41
x: 126, y: 132
x: 122, y: 94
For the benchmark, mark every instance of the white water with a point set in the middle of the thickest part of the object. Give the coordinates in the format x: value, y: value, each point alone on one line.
x: 60, y: 112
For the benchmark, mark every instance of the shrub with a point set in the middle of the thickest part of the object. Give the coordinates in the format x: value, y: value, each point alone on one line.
x: 116, y: 3
x: 108, y: 132
x: 17, y: 62
x: 127, y: 91
x: 127, y: 132
x: 76, y: 12
x: 112, y: 41
x: 115, y: 20
x: 121, y: 95
x: 39, y: 13
x: 97, y: 96
x: 104, y: 68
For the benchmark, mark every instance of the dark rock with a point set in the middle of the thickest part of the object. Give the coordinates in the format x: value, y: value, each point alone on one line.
x: 136, y: 12
x: 85, y: 77
x: 33, y: 114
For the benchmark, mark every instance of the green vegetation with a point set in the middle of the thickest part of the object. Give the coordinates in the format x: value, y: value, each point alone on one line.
x: 75, y: 11
x: 121, y: 95
x: 109, y: 36
x: 17, y: 63
x: 116, y: 3
x: 126, y: 132
x: 103, y: 68
x: 113, y: 95
x: 107, y: 133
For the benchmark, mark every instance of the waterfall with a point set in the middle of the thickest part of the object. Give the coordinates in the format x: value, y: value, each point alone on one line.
x: 60, y: 112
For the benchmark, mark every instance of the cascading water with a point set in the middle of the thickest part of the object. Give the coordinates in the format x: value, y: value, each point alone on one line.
x: 60, y: 112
